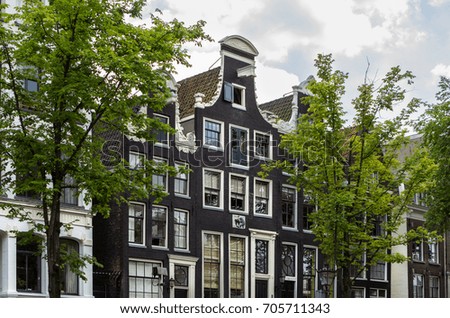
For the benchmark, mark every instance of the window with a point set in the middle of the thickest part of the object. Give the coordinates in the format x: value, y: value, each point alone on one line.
x: 420, y: 199
x: 159, y: 226
x: 181, y: 219
x: 136, y: 214
x: 377, y: 293
x: 309, y: 271
x: 288, y: 270
x: 28, y: 260
x: 378, y: 271
x: 212, y: 185
x: 213, y: 133
x: 69, y: 280
x: 69, y: 193
x: 262, y: 146
x: 136, y: 160
x: 159, y: 178
x: 434, y: 287
x: 289, y: 207
x: 417, y: 286
x: 262, y: 195
x: 239, y: 145
x: 182, y: 277
x: 237, y: 267
x: 238, y: 190
x: 182, y: 180
x: 308, y: 209
x: 141, y: 282
x: 417, y: 251
x: 31, y: 85
x: 262, y: 257
x: 378, y: 225
x: 211, y: 265
x: 162, y: 136
x: 433, y: 256
x: 234, y: 94
x: 357, y: 292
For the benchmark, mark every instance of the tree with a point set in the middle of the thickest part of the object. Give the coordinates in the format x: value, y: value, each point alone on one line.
x: 435, y: 127
x: 353, y: 173
x: 70, y: 71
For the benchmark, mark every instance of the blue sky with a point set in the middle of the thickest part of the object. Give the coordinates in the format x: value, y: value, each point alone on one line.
x: 289, y: 34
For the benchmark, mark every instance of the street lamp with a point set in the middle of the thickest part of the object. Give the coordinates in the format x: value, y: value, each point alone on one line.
x: 326, y: 277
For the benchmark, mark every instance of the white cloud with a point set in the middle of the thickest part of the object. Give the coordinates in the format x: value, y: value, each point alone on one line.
x: 267, y: 88
x: 441, y: 70
x: 438, y: 3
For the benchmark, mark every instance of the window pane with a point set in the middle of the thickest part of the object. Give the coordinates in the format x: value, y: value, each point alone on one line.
x: 288, y: 260
x: 238, y: 146
x: 159, y: 225
x: 262, y: 257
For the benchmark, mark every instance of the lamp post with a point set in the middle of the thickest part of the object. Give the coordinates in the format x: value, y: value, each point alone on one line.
x: 326, y: 277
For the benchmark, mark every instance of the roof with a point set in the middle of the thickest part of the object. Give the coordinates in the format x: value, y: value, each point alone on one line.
x: 282, y: 107
x: 205, y: 83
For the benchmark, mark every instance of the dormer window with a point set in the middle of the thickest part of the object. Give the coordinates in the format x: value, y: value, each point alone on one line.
x: 234, y: 94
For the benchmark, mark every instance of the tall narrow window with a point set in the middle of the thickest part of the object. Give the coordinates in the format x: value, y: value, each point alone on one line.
x: 418, y: 286
x: 417, y: 251
x: 162, y: 136
x: 159, y: 178
x: 28, y: 260
x: 262, y: 194
x: 181, y: 229
x: 141, y: 282
x: 159, y: 226
x: 238, y: 188
x: 262, y: 145
x: 136, y: 160
x: 69, y: 194
x: 211, y: 265
x: 181, y: 180
x: 289, y: 270
x: 433, y: 256
x: 238, y: 143
x: 289, y: 207
x: 237, y: 267
x: 434, y: 287
x: 213, y: 133
x: 309, y: 272
x: 262, y: 257
x: 212, y: 184
x: 69, y: 280
x: 136, y: 213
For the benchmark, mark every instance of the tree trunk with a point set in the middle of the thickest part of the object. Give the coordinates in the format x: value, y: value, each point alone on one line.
x: 53, y: 251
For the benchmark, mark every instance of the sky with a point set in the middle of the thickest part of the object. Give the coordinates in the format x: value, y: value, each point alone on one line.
x: 362, y: 35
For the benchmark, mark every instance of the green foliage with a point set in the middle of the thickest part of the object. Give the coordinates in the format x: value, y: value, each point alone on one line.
x: 92, y: 70
x: 435, y: 127
x: 354, y: 173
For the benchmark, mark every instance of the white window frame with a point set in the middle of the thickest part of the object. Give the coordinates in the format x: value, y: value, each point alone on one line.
x: 183, y: 260
x: 415, y: 285
x: 166, y: 227
x: 316, y: 258
x: 221, y: 189
x: 378, y: 290
x: 137, y: 155
x: 144, y: 228
x: 432, y: 287
x: 221, y: 136
x: 362, y: 289
x: 385, y: 272
x: 295, y: 220
x: 157, y: 143
x: 256, y: 132
x: 431, y: 243
x: 187, y: 230
x: 269, y: 206
x: 246, y: 167
x: 246, y: 193
x: 245, y: 263
x: 221, y: 264
x: 160, y: 279
x: 186, y: 165
x: 231, y: 98
x: 270, y: 237
x: 166, y: 176
x: 419, y: 258
x: 295, y: 277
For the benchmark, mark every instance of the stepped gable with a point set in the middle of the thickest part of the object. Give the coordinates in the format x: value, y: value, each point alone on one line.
x: 205, y: 83
x: 282, y: 107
